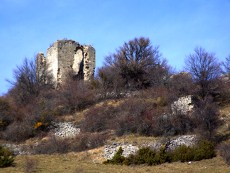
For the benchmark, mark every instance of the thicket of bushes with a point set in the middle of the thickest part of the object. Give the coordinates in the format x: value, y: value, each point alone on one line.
x: 20, y: 122
x: 204, y: 150
x: 152, y: 117
x: 81, y: 142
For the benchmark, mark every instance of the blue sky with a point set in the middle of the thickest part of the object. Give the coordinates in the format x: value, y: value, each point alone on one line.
x: 176, y: 26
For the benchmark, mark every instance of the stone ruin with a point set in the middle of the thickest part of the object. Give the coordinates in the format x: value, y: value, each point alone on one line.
x: 65, y: 57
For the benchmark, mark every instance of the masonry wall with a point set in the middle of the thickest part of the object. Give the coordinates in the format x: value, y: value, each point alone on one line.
x: 52, y: 61
x: 67, y: 57
x: 89, y: 62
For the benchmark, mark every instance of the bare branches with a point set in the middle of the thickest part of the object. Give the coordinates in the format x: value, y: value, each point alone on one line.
x: 137, y: 62
x: 28, y: 82
x: 204, y: 68
x: 226, y: 65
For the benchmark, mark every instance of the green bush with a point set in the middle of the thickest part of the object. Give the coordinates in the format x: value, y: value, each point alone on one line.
x: 6, y: 157
x: 162, y: 156
x: 204, y: 150
x: 183, y: 154
x: 117, y: 158
x: 144, y: 155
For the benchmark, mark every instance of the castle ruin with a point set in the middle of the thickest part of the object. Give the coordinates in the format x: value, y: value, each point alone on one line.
x: 67, y: 57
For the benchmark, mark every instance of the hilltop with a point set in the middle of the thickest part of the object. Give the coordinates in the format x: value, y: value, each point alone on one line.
x: 135, y: 102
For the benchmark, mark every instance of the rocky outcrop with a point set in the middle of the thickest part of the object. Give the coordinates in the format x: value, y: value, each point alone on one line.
x: 65, y: 130
x: 183, y: 105
x: 171, y: 144
x: 128, y: 149
x: 188, y: 140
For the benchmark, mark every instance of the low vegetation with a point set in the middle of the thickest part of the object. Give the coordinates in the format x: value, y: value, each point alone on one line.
x: 204, y: 150
x: 224, y: 149
x: 81, y: 142
x: 6, y: 157
x: 143, y: 86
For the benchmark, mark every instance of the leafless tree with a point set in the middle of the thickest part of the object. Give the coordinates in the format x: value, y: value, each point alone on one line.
x: 28, y: 82
x: 205, y: 70
x: 138, y: 63
x: 227, y: 65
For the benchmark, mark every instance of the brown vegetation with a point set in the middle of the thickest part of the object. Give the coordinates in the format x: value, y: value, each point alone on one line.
x: 138, y: 75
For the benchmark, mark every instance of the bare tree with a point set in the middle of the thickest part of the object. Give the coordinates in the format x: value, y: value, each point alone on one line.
x: 28, y: 82
x: 206, y: 118
x: 138, y: 63
x: 205, y: 70
x: 227, y: 65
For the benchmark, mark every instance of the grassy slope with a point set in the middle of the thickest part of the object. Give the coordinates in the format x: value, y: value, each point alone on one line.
x: 82, y: 162
x: 90, y: 161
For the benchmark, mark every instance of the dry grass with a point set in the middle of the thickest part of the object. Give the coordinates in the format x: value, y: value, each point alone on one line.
x: 132, y: 139
x: 225, y: 116
x: 79, y: 116
x: 82, y: 162
x: 91, y: 161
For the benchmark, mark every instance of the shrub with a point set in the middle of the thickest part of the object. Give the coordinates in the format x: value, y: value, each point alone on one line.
x: 204, y: 150
x: 206, y: 118
x: 6, y: 157
x: 100, y: 118
x: 79, y: 143
x: 75, y: 95
x: 138, y: 116
x: 19, y: 130
x: 53, y: 145
x: 225, y: 152
x: 144, y: 155
x: 88, y: 141
x: 183, y: 154
x: 5, y: 114
x: 117, y: 159
x: 162, y: 156
x: 42, y: 120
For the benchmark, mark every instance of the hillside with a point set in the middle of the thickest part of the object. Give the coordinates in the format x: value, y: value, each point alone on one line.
x: 136, y: 114
x: 91, y: 160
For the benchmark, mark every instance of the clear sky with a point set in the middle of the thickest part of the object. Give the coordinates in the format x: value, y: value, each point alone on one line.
x: 176, y: 26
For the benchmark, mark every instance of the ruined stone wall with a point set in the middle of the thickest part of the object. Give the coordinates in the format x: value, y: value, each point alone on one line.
x: 67, y: 57
x: 89, y: 62
x: 41, y: 62
x: 52, y: 61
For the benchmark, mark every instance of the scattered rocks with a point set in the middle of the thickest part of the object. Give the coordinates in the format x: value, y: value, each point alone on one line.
x: 188, y: 140
x: 182, y: 105
x: 128, y: 149
x: 65, y: 129
x: 18, y: 149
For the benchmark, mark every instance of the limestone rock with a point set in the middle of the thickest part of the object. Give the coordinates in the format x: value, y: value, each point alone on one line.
x: 65, y: 129
x: 182, y: 105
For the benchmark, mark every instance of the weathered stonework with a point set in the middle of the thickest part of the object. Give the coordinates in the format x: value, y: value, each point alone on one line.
x: 67, y: 57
